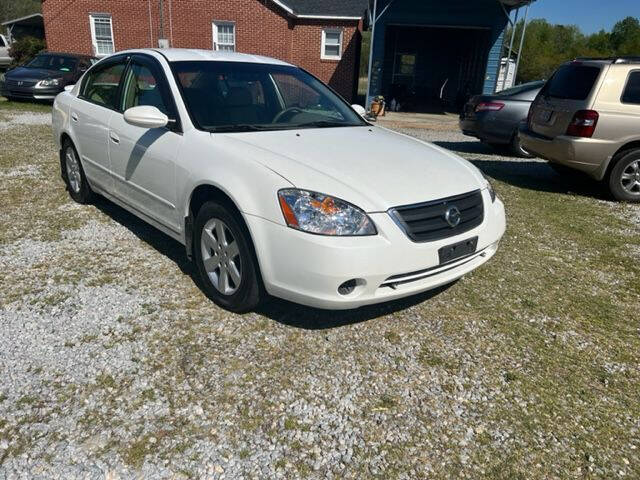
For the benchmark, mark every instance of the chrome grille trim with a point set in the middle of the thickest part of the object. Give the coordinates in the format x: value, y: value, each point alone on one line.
x: 425, y: 222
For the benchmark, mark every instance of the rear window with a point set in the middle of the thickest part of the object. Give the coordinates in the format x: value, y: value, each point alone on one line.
x: 632, y: 90
x: 525, y: 87
x: 572, y: 82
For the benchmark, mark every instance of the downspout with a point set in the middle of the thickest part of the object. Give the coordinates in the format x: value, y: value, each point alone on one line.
x: 150, y: 25
x: 371, y: 45
x: 513, y: 37
x: 161, y: 29
x: 170, y: 25
x: 524, y: 30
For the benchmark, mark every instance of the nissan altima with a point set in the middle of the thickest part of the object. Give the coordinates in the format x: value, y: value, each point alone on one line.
x: 274, y: 184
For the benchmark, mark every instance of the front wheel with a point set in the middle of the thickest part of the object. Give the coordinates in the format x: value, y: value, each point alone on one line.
x: 624, y: 179
x: 225, y: 258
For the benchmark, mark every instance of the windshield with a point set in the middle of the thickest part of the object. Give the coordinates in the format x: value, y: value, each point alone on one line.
x: 59, y: 63
x: 235, y: 96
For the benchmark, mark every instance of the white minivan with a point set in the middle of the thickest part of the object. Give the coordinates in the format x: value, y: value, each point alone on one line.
x: 273, y: 182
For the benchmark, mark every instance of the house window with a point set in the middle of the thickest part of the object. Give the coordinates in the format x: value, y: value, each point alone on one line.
x: 101, y: 35
x: 224, y: 36
x: 331, y: 44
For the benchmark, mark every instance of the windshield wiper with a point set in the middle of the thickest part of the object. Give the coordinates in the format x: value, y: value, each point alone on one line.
x: 244, y: 127
x: 323, y: 124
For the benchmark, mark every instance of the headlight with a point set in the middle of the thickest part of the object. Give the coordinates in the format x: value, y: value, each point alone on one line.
x: 324, y: 215
x: 50, y: 82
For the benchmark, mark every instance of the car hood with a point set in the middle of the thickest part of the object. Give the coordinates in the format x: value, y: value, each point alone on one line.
x: 22, y: 73
x: 371, y: 167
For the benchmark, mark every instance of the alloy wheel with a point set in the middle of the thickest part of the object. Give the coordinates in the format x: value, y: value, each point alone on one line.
x: 73, y: 170
x: 221, y: 257
x: 630, y: 178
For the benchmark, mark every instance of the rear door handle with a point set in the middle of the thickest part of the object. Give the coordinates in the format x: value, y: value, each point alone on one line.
x: 114, y: 137
x: 74, y: 117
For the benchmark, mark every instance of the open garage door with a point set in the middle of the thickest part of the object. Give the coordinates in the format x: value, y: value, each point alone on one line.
x: 434, y: 69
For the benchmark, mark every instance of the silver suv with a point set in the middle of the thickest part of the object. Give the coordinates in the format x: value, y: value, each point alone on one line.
x: 587, y: 117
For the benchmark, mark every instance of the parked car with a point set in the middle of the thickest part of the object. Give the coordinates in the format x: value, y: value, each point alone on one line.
x: 45, y: 76
x: 5, y: 59
x: 587, y: 118
x: 271, y: 180
x: 494, y: 119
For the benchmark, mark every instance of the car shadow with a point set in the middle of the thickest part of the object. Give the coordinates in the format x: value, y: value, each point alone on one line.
x: 281, y: 311
x: 539, y: 176
x: 471, y: 146
x: 532, y: 174
x: 160, y: 242
x: 307, y: 318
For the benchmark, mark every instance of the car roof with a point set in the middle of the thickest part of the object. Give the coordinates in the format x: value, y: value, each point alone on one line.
x: 189, y: 54
x: 65, y: 54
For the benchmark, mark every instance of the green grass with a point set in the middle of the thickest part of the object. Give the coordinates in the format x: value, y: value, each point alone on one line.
x: 6, y: 105
x: 540, y: 344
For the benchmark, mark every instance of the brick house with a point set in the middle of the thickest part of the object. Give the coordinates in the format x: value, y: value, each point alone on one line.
x: 322, y: 36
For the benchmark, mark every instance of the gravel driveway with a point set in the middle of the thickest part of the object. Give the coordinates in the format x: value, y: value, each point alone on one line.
x: 115, y: 365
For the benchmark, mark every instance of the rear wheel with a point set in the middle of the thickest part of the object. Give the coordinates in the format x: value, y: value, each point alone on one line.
x: 73, y: 174
x: 517, y: 149
x: 624, y: 179
x: 224, y: 255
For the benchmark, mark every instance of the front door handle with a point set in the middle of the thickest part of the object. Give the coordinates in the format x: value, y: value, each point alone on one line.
x: 74, y: 116
x: 114, y: 137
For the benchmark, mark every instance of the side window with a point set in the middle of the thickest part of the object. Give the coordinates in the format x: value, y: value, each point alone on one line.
x: 632, y: 90
x: 101, y: 85
x: 143, y: 87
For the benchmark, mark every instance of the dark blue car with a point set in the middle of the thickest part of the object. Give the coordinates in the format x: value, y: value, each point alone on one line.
x: 45, y: 76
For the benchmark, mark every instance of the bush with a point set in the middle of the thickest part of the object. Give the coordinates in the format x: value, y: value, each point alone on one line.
x: 24, y: 49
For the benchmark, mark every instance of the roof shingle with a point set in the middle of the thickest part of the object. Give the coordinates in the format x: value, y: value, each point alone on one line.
x: 327, y: 8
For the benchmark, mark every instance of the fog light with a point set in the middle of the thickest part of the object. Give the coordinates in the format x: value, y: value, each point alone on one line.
x: 347, y: 287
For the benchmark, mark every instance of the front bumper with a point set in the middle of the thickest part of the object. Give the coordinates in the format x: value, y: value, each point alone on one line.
x: 308, y: 269
x: 589, y: 155
x: 30, y: 93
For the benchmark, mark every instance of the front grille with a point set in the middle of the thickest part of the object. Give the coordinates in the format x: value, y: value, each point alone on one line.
x: 426, y: 222
x: 19, y: 83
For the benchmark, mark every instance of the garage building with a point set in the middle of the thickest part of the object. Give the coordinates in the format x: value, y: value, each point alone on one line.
x: 431, y: 55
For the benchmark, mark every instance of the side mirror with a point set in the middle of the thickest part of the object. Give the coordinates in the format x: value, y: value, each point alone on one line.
x: 359, y: 110
x: 146, y: 116
x: 68, y: 88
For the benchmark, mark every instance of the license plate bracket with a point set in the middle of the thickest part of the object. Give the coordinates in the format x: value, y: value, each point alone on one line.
x: 452, y: 252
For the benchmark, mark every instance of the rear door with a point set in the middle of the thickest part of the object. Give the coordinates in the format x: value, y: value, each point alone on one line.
x: 572, y: 88
x: 91, y: 112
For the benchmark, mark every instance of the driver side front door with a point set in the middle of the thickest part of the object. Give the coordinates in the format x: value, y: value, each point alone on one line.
x: 143, y: 159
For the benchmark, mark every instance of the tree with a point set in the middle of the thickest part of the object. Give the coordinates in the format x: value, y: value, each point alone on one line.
x: 625, y: 37
x: 10, y: 9
x: 547, y: 46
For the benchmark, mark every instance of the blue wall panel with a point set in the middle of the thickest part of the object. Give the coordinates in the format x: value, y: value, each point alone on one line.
x: 487, y: 14
x: 493, y: 65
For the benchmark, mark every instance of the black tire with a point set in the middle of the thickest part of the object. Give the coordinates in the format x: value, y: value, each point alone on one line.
x: 249, y: 293
x: 624, y: 164
x: 77, y: 184
x: 516, y: 148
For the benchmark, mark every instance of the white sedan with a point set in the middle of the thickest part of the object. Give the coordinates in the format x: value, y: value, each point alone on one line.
x: 273, y: 183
